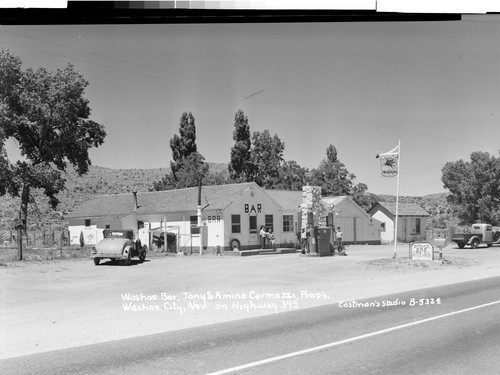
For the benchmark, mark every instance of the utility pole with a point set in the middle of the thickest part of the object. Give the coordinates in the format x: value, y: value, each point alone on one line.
x: 19, y: 226
x: 199, y: 218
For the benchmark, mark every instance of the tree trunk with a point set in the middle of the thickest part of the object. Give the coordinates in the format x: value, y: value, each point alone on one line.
x: 23, y: 215
x: 23, y: 211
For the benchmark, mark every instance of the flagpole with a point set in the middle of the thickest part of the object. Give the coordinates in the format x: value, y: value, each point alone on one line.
x: 397, y: 203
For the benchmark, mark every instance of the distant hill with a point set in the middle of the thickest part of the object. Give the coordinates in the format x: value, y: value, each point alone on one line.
x: 100, y: 181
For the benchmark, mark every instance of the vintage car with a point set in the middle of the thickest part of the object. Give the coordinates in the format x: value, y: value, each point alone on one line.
x: 119, y: 244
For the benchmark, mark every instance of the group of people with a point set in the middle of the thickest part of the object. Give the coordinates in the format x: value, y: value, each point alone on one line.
x: 306, y: 233
x: 267, y: 236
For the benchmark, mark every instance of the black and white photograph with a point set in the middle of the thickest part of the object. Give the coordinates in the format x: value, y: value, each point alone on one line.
x: 249, y: 187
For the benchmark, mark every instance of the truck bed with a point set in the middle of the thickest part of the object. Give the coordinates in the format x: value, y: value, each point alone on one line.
x: 463, y: 239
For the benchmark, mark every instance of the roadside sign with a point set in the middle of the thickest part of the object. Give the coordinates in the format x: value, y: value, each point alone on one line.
x: 421, y: 251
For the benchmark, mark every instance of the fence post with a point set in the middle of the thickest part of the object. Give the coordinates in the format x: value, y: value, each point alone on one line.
x: 20, y: 243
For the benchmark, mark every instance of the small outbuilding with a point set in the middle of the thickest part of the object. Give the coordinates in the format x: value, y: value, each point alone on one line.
x: 412, y: 221
x: 357, y: 226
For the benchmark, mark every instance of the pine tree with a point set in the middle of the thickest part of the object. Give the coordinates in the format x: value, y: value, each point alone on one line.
x: 188, y: 167
x: 240, y: 165
x: 184, y: 144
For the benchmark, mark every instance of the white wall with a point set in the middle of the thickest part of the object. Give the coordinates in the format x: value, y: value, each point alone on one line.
x: 386, y: 236
x: 216, y: 224
x: 92, y: 235
x: 406, y: 228
x: 180, y: 224
x: 254, y: 202
x: 355, y: 223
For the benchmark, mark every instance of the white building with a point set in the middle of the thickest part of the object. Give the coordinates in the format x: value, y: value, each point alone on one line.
x: 231, y: 216
x: 357, y: 226
x: 412, y: 221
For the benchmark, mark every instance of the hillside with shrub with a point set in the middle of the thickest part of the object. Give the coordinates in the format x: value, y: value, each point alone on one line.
x: 98, y: 181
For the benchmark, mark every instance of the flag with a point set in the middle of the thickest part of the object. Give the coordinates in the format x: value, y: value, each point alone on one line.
x: 389, y: 162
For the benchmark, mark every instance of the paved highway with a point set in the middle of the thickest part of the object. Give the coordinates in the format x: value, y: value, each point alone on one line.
x: 451, y: 329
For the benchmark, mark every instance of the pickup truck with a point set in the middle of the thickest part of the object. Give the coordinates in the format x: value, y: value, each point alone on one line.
x: 478, y: 234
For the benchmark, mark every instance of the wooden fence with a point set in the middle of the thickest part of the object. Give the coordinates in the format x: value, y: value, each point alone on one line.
x: 37, y: 238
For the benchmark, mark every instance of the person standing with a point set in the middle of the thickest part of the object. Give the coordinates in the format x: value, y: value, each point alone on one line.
x: 338, y: 236
x: 263, y: 235
x: 308, y: 235
x: 271, y: 238
x: 303, y: 240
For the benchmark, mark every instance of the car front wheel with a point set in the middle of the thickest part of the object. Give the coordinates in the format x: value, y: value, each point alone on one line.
x: 475, y: 244
x: 96, y: 261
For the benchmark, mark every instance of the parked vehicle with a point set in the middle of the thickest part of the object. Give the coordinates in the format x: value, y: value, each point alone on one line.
x: 478, y: 234
x: 119, y: 244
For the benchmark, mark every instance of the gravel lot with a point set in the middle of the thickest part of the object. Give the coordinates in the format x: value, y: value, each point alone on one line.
x: 49, y: 305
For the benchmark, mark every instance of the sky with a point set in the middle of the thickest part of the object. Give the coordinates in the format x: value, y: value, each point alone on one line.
x: 360, y: 86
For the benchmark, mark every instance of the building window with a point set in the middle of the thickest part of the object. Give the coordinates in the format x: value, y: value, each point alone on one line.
x: 287, y: 223
x: 235, y: 223
x: 87, y: 222
x: 140, y: 224
x: 382, y: 227
x: 253, y: 224
x: 194, y: 225
x: 269, y: 223
x: 107, y: 226
x: 417, y: 226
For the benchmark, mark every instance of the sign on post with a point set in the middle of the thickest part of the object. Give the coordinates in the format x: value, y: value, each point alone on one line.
x: 421, y: 251
x: 19, y: 224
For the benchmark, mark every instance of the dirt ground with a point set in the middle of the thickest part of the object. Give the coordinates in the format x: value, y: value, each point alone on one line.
x: 49, y: 305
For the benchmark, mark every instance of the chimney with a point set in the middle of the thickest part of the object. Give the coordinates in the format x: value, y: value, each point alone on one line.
x: 135, y: 200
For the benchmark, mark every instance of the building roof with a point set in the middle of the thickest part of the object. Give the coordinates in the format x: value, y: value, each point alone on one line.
x: 180, y: 200
x: 404, y: 209
x: 288, y: 199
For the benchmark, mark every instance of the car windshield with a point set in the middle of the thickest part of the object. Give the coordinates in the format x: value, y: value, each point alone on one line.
x: 109, y: 233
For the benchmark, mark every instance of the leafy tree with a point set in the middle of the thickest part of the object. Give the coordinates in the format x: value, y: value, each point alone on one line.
x: 332, y: 175
x: 166, y: 183
x: 217, y: 177
x: 266, y: 158
x: 5, y: 168
x: 474, y: 187
x: 361, y: 196
x: 48, y: 115
x: 291, y: 176
x: 240, y: 167
x: 193, y: 170
x: 184, y: 144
